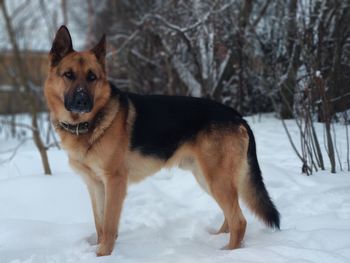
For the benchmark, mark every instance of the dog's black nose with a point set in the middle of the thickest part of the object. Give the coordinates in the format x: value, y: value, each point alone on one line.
x: 80, y: 102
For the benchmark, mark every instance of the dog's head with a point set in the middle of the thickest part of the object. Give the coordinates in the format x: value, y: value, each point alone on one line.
x: 76, y: 87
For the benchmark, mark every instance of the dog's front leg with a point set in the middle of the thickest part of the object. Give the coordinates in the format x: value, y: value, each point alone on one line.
x: 115, y: 191
x: 96, y: 192
x: 97, y: 196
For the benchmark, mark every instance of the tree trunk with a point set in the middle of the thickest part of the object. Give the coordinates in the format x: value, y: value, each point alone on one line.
x: 244, y: 18
x: 293, y: 53
x: 39, y: 144
x: 28, y: 97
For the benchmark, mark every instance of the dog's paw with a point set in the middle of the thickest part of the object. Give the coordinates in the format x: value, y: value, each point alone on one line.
x: 232, y: 246
x: 104, y: 250
x: 212, y: 231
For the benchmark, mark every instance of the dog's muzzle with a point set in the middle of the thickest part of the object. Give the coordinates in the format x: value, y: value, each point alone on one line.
x: 80, y: 102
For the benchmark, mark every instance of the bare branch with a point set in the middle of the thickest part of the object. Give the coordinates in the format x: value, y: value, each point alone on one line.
x: 21, y: 125
x: 13, y: 151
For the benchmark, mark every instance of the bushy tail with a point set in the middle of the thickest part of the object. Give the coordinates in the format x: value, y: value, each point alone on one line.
x: 253, y: 190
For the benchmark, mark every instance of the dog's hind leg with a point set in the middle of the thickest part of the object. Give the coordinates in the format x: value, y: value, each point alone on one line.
x: 222, y: 158
x: 225, y: 194
x: 200, y: 178
x: 227, y: 198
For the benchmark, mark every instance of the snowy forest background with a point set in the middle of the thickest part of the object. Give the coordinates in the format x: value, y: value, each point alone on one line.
x: 283, y: 64
x: 290, y: 57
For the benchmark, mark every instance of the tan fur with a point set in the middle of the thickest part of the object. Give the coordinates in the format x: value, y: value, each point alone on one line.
x: 217, y: 158
x: 56, y: 86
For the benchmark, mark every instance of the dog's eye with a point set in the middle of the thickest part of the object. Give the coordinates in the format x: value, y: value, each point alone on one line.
x: 69, y: 75
x: 91, y: 76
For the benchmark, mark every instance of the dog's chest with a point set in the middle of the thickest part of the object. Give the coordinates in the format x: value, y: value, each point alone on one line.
x: 90, y: 162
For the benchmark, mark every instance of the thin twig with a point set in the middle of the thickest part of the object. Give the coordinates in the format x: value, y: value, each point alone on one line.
x: 21, y: 125
x: 347, y: 139
x: 13, y: 150
x: 336, y: 147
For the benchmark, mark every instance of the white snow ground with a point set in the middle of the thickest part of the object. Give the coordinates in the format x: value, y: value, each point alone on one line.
x: 167, y: 218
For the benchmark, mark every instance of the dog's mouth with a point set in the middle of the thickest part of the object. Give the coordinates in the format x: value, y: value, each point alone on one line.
x: 79, y: 111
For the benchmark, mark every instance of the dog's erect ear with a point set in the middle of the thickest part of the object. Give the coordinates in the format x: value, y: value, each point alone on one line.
x: 61, y: 46
x: 100, y: 51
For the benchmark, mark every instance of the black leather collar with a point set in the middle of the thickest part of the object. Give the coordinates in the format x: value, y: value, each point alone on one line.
x: 77, y: 129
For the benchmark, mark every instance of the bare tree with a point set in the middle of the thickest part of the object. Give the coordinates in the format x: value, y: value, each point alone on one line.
x: 287, y: 56
x: 29, y: 96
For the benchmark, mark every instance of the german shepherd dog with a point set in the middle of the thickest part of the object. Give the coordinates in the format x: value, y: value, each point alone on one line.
x: 114, y: 137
